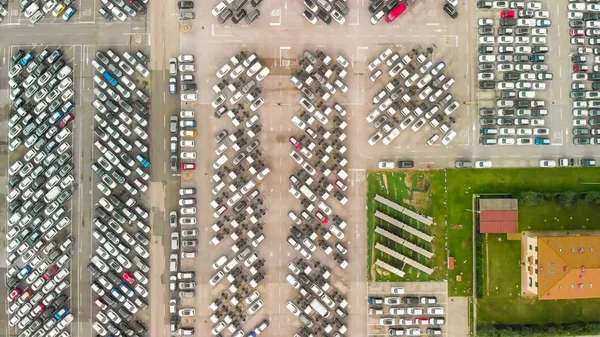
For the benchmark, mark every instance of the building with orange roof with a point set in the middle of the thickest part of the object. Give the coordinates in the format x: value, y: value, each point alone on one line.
x: 562, y: 267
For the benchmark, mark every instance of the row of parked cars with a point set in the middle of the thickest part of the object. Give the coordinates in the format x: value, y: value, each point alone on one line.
x: 32, y: 10
x: 40, y: 183
x: 513, y: 59
x: 318, y: 305
x: 238, y: 202
x: 121, y: 9
x: 184, y: 245
x: 234, y: 10
x: 401, y: 314
x: 420, y: 94
x: 119, y: 264
x: 325, y: 10
x: 584, y: 21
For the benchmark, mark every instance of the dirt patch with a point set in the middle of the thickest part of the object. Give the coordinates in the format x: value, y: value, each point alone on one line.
x: 280, y: 139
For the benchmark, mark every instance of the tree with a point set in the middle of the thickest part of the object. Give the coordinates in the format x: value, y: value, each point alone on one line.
x: 593, y: 197
x: 566, y: 199
x: 531, y: 198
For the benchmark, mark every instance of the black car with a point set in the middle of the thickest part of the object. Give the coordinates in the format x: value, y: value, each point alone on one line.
x: 576, y: 23
x: 450, y: 10
x: 591, y: 16
x: 188, y: 87
x: 486, y: 67
x: 374, y: 8
x: 341, y: 7
x: 139, y: 7
x: 140, y: 328
x: 185, y: 4
x: 511, y: 76
x: 140, y: 107
x: 391, y: 5
x: 225, y: 15
x: 508, y: 22
x: 510, y: 94
x: 487, y: 84
x: 17, y: 55
x: 521, y: 58
x: 252, y: 16
x: 410, y: 300
x: 485, y: 49
x: 406, y: 164
x: 323, y: 15
x: 486, y: 112
x: 522, y: 104
x: 238, y: 16
x: 505, y: 30
x: 237, y: 4
x: 484, y: 4
x: 487, y: 30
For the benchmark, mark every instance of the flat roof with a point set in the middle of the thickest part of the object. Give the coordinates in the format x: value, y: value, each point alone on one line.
x: 498, y: 222
x: 498, y: 204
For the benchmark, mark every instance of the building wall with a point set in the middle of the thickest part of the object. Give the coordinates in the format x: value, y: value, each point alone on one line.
x: 531, y: 259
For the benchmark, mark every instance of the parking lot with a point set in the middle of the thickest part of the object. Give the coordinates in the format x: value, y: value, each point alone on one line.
x: 423, y: 26
x: 80, y: 55
x: 280, y: 54
x: 406, y: 314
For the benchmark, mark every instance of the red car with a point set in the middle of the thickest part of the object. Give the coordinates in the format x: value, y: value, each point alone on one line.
x: 188, y: 166
x: 421, y: 321
x: 580, y: 68
x: 14, y: 294
x: 576, y: 32
x: 128, y: 277
x: 51, y: 271
x: 25, y: 295
x: 507, y: 14
x: 38, y: 309
x: 295, y: 142
x: 322, y: 217
x: 66, y: 120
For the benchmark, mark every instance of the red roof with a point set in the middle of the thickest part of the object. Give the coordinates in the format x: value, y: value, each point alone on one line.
x: 498, y: 222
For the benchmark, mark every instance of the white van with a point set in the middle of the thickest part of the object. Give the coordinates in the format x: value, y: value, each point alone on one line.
x: 308, y: 193
x: 222, y: 160
x: 52, y: 194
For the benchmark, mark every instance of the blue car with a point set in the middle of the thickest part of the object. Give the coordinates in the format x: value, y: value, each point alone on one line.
x: 25, y: 272
x: 110, y: 79
x: 67, y: 107
x: 61, y: 313
x: 68, y: 13
x: 542, y: 141
x: 142, y: 160
x: 26, y: 59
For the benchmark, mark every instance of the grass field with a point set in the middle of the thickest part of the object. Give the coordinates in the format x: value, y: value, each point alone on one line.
x: 501, y: 303
x: 454, y: 205
x: 420, y: 191
x: 462, y: 184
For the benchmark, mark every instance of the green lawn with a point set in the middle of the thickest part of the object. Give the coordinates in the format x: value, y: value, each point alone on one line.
x: 501, y: 303
x: 455, y: 206
x: 462, y: 184
x: 417, y: 190
x: 503, y: 273
x: 582, y: 215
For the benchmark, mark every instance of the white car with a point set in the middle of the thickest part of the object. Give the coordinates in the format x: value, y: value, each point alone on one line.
x: 218, y: 9
x: 483, y: 164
